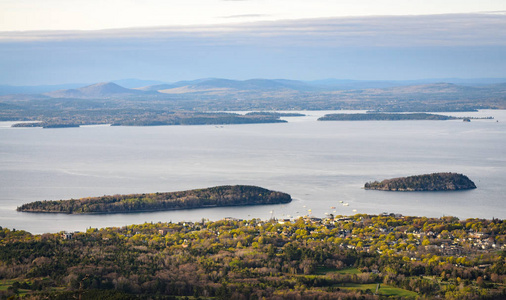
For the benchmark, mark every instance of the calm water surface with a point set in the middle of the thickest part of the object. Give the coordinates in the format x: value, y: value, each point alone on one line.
x: 318, y: 163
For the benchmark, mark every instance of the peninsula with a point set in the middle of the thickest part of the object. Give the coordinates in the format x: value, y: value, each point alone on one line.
x: 236, y: 195
x: 427, y: 182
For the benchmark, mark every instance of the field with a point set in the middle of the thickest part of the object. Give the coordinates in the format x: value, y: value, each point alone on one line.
x: 8, y: 283
x: 384, y: 289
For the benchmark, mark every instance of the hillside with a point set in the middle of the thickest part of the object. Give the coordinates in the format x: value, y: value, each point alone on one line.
x: 98, y: 90
x: 104, y: 103
x: 427, y: 182
x: 237, y: 195
x: 314, y: 85
x: 211, y: 84
x: 132, y: 83
x: 366, y: 257
x: 432, y: 88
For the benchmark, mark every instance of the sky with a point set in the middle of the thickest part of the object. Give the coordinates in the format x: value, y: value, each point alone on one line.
x: 69, y: 41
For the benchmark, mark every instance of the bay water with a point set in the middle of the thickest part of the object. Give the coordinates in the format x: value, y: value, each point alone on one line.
x: 323, y: 165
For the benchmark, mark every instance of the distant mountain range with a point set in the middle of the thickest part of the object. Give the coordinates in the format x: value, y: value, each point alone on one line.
x: 132, y: 83
x: 98, y: 90
x: 346, y: 84
x: 106, y: 101
x: 201, y: 85
x: 219, y: 86
x: 219, y: 83
x: 41, y: 89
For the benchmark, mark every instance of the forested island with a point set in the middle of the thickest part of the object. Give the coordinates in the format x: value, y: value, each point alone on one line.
x: 385, y: 117
x: 427, y: 182
x: 341, y: 257
x: 236, y: 195
x: 147, y: 118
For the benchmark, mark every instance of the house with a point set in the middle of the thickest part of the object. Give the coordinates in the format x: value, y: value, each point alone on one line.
x: 284, y: 221
x: 67, y: 235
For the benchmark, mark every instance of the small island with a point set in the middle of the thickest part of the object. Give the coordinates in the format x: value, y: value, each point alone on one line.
x: 427, y: 182
x: 236, y: 195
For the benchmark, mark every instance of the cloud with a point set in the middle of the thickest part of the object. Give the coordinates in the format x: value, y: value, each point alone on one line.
x: 376, y: 31
x: 381, y: 47
x: 244, y: 16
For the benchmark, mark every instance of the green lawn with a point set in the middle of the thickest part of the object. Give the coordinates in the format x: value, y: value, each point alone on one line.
x: 6, y: 283
x: 385, y: 290
x: 393, y: 291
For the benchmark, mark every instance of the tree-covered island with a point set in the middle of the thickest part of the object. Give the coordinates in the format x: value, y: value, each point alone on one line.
x: 149, y: 118
x: 374, y: 116
x: 236, y: 195
x: 427, y: 182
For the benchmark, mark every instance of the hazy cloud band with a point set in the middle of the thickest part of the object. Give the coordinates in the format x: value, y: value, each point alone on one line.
x: 381, y: 31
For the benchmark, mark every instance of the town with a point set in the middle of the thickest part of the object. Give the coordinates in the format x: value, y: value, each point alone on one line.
x: 368, y: 256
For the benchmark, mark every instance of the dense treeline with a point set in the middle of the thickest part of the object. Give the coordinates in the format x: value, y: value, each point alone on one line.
x: 427, y: 182
x: 210, y: 197
x: 199, y: 119
x: 343, y: 258
x: 155, y: 119
x: 384, y: 117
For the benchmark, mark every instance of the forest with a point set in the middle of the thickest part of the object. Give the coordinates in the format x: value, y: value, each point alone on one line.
x: 152, y: 119
x: 427, y: 182
x: 341, y: 257
x: 384, y: 117
x: 236, y: 195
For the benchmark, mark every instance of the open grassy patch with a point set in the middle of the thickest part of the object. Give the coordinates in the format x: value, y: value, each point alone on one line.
x: 7, y: 283
x: 393, y: 291
x: 349, y: 271
x: 385, y: 290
